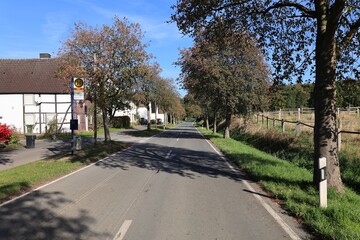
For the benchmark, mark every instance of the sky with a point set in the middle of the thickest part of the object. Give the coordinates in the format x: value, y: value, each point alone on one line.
x: 30, y: 27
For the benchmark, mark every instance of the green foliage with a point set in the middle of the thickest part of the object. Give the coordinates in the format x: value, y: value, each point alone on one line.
x: 120, y: 122
x: 16, y: 180
x: 52, y: 126
x: 293, y: 186
x: 348, y: 93
x: 291, y: 96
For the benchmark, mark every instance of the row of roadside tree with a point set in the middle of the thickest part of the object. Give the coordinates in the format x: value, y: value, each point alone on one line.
x: 226, y: 72
x: 118, y: 69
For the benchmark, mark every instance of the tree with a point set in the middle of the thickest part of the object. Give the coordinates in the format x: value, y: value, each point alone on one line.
x: 111, y: 58
x: 292, y: 31
x: 348, y: 93
x: 146, y: 87
x: 166, y: 93
x: 225, y: 71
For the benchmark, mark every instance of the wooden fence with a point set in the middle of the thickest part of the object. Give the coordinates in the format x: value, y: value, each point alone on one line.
x: 298, y: 113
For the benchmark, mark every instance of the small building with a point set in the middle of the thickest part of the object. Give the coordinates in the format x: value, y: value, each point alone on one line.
x: 32, y: 97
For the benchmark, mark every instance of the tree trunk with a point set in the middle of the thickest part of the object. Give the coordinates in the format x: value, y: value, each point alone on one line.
x: 106, y: 125
x: 156, y: 115
x: 227, y: 125
x: 148, y: 117
x: 207, y: 122
x: 325, y: 134
x: 215, y: 123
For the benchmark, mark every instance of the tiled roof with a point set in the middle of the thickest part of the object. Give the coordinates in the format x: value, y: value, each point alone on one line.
x: 30, y: 76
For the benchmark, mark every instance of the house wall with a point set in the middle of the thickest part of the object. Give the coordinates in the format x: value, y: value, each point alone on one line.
x: 132, y: 113
x: 11, y: 109
x: 38, y: 110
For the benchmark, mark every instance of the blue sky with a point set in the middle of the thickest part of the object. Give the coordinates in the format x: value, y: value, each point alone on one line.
x: 29, y: 27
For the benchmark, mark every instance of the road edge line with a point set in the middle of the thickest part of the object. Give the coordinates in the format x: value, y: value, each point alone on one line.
x: 56, y: 180
x: 267, y: 207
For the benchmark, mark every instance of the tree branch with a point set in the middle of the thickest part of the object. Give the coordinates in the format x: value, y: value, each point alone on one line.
x: 349, y: 35
x: 306, y: 11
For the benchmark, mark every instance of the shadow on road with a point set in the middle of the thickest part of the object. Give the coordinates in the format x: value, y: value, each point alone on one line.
x: 34, y: 217
x: 183, y: 162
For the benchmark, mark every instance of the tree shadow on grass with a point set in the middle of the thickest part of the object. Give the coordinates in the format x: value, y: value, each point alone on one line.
x: 8, y: 190
x: 35, y: 217
x: 278, y: 173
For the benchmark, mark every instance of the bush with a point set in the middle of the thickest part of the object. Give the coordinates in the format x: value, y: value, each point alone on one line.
x: 5, y: 133
x: 120, y: 122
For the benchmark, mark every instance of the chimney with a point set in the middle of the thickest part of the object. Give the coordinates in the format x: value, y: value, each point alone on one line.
x: 45, y: 55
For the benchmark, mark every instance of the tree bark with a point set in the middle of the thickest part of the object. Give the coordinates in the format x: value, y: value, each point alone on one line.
x: 106, y: 125
x: 215, y: 123
x: 227, y: 125
x: 148, y: 117
x: 325, y: 134
x: 207, y: 122
x: 156, y: 116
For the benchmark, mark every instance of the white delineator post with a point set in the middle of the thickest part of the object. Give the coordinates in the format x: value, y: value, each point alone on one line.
x: 323, y: 183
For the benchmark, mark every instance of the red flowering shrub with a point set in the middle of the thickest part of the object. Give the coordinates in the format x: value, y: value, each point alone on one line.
x: 5, y: 132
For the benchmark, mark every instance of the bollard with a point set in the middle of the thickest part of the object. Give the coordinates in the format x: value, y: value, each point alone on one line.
x: 323, y: 183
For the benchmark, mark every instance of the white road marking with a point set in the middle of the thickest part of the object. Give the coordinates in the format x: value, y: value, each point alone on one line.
x: 168, y: 155
x: 123, y: 229
x: 47, y: 184
x: 177, y: 139
x: 268, y: 208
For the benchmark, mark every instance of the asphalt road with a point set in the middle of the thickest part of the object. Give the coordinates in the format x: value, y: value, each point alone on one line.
x: 171, y: 186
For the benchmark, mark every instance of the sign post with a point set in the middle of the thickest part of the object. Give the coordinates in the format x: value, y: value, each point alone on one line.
x: 77, y: 93
x: 323, y: 183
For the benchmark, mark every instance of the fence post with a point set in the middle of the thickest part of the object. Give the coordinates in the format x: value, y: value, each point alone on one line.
x: 283, y: 125
x: 274, y: 122
x: 338, y: 112
x: 267, y: 122
x: 358, y: 112
x: 262, y: 119
x: 298, y: 125
x: 298, y: 129
x: 257, y: 118
x: 339, y: 128
x: 280, y: 113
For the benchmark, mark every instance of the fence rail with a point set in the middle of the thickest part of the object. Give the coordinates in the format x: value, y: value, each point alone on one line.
x: 300, y: 123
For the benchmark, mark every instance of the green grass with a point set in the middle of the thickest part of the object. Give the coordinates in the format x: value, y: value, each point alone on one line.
x: 18, y: 180
x: 299, y: 150
x: 292, y: 185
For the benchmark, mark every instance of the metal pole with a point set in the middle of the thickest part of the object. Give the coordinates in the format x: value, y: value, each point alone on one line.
x: 72, y: 115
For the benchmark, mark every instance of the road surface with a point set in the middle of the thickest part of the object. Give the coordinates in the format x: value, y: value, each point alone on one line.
x: 171, y: 186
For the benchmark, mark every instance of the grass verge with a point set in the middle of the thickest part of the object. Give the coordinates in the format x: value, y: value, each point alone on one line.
x: 292, y: 185
x: 18, y: 180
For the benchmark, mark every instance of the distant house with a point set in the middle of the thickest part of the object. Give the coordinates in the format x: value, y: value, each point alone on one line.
x: 154, y: 110
x: 31, y: 96
x: 136, y: 113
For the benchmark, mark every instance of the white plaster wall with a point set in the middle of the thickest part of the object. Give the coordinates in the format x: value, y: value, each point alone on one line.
x: 131, y: 112
x: 142, y: 111
x: 11, y: 108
